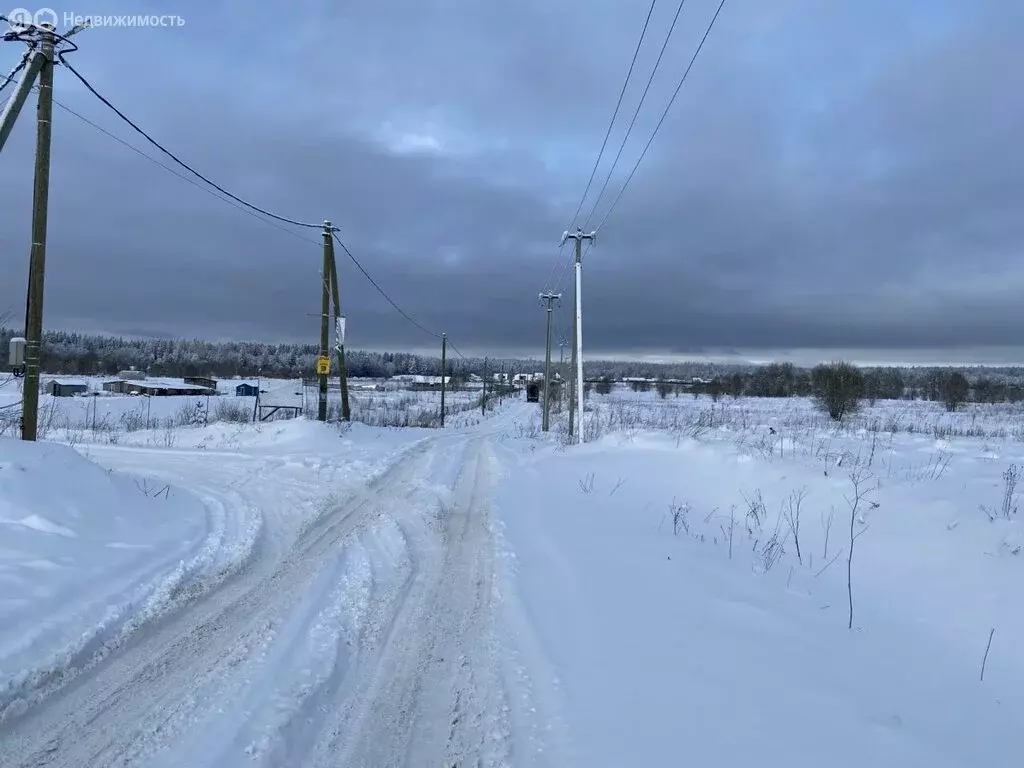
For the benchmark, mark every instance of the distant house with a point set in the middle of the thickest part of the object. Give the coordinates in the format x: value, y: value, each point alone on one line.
x: 155, y: 388
x: 132, y: 375
x: 65, y: 387
x: 417, y: 382
x: 246, y: 390
x: 202, y: 381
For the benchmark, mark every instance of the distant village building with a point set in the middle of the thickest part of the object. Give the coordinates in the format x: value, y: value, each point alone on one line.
x: 65, y: 387
x: 202, y: 381
x: 418, y: 382
x: 132, y: 375
x: 246, y: 390
x: 155, y: 388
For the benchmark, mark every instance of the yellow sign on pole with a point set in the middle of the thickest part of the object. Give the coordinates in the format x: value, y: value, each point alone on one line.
x: 323, y: 366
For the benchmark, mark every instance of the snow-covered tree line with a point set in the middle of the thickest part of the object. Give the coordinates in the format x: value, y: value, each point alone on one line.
x: 78, y: 353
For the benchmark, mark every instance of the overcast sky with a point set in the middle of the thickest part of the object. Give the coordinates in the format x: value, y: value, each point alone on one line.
x: 835, y: 175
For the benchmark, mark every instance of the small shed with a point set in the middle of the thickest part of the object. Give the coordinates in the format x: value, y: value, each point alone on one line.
x: 246, y: 390
x: 533, y: 392
x: 65, y: 387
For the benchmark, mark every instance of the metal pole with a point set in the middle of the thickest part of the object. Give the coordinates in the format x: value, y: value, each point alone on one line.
x: 444, y: 362
x: 339, y: 321
x: 550, y: 298
x: 325, y: 310
x: 20, y: 95
x: 37, y: 259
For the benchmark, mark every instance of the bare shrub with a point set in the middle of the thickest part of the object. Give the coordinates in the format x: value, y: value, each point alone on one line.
x: 756, y: 513
x: 826, y: 525
x: 586, y: 484
x: 169, y: 433
x: 856, y: 503
x: 837, y: 388
x: 232, y: 412
x: 954, y: 389
x: 1008, y: 509
x: 132, y: 421
x: 791, y: 513
x: 680, y: 513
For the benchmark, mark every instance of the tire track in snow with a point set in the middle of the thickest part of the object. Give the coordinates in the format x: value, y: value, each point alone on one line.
x: 431, y: 692
x: 148, y: 683
x: 368, y: 640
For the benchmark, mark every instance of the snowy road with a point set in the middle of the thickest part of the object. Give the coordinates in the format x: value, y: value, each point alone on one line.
x: 368, y: 640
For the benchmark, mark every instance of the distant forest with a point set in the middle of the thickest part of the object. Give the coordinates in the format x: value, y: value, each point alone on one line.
x: 83, y: 354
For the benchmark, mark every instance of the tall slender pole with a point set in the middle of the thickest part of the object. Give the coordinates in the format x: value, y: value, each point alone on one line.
x: 37, y: 259
x: 444, y: 366
x: 576, y: 393
x: 325, y: 311
x: 573, y: 356
x: 550, y: 298
x: 579, y: 346
x: 483, y: 398
x: 339, y: 321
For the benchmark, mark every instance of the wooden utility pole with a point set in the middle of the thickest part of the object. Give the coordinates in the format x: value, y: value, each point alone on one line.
x: 339, y: 322
x: 444, y: 366
x: 323, y: 370
x: 37, y: 258
x: 550, y: 298
x: 483, y: 399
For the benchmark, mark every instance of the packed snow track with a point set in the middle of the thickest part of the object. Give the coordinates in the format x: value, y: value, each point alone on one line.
x: 370, y: 641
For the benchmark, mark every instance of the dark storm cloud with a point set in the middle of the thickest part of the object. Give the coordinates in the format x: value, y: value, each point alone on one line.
x: 832, y: 175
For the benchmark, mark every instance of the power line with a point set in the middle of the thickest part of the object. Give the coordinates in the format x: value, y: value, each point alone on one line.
x: 636, y: 113
x: 237, y: 202
x: 180, y: 175
x: 249, y: 212
x: 382, y: 292
x: 611, y: 123
x: 255, y: 215
x: 663, y: 116
x: 391, y: 301
x: 184, y: 165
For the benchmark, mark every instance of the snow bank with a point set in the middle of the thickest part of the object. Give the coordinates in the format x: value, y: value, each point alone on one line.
x: 677, y: 632
x: 82, y: 552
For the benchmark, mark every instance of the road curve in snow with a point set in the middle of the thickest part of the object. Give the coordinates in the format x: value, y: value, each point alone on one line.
x: 371, y: 641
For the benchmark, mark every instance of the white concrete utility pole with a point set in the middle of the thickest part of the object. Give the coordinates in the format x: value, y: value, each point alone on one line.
x: 576, y: 394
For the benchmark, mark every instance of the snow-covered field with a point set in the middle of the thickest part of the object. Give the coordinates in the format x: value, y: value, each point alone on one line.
x: 686, y: 576
x: 678, y: 590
